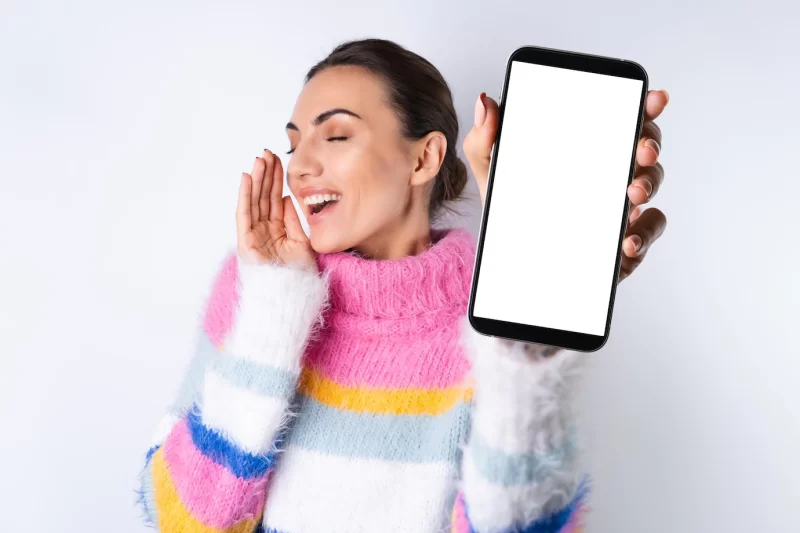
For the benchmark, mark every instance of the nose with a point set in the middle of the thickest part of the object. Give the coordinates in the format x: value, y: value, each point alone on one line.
x: 304, y: 162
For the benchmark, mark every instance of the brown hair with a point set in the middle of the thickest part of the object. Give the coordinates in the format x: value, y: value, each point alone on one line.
x: 421, y: 99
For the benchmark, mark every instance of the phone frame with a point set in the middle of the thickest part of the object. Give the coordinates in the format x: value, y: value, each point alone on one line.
x: 570, y: 340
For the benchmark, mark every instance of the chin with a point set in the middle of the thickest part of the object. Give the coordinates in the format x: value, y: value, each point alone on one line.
x: 327, y: 242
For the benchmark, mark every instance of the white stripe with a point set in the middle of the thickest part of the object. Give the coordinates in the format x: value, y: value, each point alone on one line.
x: 163, y: 429
x: 250, y: 420
x: 313, y: 492
x: 494, y: 508
x: 278, y: 306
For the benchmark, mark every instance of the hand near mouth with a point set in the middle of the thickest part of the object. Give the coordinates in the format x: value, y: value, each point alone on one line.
x: 267, y: 226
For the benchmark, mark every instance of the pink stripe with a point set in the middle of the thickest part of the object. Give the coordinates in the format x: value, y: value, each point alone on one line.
x: 428, y: 363
x: 460, y: 524
x: 575, y: 522
x: 211, y: 493
x: 223, y: 302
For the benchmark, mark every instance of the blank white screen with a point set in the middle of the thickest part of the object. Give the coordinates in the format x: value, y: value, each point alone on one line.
x: 557, y: 201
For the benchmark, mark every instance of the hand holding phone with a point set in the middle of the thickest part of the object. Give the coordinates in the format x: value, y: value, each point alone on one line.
x: 567, y: 132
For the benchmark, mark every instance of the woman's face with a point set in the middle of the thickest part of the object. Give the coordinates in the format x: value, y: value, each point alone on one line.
x: 347, y: 143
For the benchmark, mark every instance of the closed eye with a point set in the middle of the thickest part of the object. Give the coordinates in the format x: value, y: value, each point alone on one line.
x: 329, y: 138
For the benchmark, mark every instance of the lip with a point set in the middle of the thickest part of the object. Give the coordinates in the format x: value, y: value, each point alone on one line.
x: 308, y: 191
x: 313, y: 218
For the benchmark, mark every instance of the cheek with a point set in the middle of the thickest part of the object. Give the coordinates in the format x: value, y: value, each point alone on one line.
x: 371, y: 176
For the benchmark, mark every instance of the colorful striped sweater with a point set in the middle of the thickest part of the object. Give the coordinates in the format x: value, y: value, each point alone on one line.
x: 360, y: 399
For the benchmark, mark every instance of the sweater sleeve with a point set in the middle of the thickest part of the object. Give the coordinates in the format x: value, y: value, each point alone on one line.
x: 212, y: 453
x: 519, y: 469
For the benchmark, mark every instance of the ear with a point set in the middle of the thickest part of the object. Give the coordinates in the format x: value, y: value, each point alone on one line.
x: 428, y: 155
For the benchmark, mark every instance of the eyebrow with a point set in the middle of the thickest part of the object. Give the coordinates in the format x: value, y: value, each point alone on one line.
x: 322, y: 117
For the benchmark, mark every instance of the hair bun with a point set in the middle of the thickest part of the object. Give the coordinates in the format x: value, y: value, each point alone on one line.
x: 458, y: 178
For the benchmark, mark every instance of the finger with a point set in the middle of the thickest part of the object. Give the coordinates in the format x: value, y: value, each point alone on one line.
x: 636, y: 213
x: 255, y: 193
x: 651, y: 130
x: 480, y: 139
x: 266, y: 186
x: 646, y: 184
x: 647, y: 151
x: 629, y: 264
x: 294, y: 230
x: 276, y: 196
x: 654, y: 103
x: 243, y: 220
x: 644, y: 232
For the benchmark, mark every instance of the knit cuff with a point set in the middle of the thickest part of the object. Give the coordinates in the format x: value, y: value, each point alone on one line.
x: 522, y: 398
x: 279, y: 308
x: 520, y: 463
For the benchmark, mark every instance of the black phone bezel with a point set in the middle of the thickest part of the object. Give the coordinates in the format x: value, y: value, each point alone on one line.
x: 570, y: 340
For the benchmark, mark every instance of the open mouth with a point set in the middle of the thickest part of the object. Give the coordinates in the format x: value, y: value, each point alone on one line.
x: 317, y: 202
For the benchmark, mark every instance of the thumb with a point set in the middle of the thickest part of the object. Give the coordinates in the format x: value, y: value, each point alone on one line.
x: 294, y: 230
x: 479, y: 141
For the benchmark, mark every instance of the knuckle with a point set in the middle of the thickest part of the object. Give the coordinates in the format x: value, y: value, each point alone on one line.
x: 653, y: 131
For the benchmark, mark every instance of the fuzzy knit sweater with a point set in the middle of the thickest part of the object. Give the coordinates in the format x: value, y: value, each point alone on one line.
x: 359, y: 399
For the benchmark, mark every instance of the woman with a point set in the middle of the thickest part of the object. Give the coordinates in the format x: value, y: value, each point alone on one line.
x: 337, y: 385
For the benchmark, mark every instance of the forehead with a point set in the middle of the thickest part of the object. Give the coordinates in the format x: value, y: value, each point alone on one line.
x: 353, y: 88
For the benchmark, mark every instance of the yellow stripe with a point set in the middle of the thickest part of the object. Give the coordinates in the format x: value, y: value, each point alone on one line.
x: 172, y: 514
x: 383, y: 401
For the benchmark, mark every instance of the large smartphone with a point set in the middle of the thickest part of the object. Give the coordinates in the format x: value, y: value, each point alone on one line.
x: 548, y: 255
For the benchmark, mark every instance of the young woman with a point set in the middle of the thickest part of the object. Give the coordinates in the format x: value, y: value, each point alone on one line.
x: 337, y: 385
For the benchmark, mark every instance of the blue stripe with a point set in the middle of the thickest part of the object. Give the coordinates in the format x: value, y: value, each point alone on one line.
x: 552, y: 523
x: 245, y: 374
x: 409, y: 438
x: 516, y: 469
x: 223, y: 452
x: 150, y: 453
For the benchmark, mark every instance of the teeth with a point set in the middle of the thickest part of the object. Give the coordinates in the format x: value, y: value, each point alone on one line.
x: 319, y: 198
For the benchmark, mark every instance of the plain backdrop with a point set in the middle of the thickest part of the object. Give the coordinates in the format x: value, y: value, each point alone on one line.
x: 123, y: 131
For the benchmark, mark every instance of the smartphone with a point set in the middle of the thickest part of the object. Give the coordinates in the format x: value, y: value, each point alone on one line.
x: 548, y: 256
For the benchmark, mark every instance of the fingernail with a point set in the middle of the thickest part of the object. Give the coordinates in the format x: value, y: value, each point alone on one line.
x: 637, y: 242
x: 480, y: 111
x: 654, y: 145
x: 665, y: 92
x: 646, y: 186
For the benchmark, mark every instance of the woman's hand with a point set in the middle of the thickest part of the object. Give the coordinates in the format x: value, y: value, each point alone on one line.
x: 644, y: 227
x: 267, y: 226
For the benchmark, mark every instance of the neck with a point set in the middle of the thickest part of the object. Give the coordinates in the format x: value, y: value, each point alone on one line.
x: 406, y: 238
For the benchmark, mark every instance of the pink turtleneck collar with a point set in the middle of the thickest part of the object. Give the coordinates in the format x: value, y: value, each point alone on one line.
x: 438, y: 279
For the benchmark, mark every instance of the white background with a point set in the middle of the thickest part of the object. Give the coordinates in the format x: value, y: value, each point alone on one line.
x: 123, y: 132
x: 539, y: 170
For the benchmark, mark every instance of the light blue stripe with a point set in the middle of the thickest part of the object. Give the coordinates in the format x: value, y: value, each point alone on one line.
x: 261, y: 379
x: 147, y: 493
x: 516, y: 469
x: 192, y: 382
x: 409, y: 438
